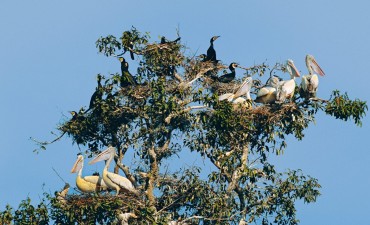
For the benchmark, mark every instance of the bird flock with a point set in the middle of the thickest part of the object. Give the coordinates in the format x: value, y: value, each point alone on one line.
x: 274, y: 91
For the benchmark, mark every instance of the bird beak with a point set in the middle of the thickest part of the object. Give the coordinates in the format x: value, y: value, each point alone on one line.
x: 216, y: 37
x: 102, y: 156
x: 316, y: 68
x: 294, y: 69
x: 77, y: 165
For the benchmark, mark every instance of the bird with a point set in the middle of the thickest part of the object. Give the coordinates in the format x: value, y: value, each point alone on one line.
x: 97, y: 95
x: 226, y: 78
x: 126, y: 77
x: 267, y: 94
x: 113, y: 181
x: 285, y: 88
x: 129, y: 45
x: 310, y: 82
x: 236, y: 98
x: 124, y: 217
x: 87, y: 184
x: 211, y: 53
x: 202, y: 57
x: 165, y: 41
x: 74, y: 115
x: 62, y: 195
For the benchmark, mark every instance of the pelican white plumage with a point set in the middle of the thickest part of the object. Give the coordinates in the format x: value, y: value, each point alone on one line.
x: 267, y: 94
x: 113, y: 181
x: 310, y: 82
x: 285, y: 88
x: 236, y: 98
x: 87, y: 184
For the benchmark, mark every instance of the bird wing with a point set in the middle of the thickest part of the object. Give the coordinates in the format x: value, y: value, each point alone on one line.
x: 91, y: 179
x: 265, y: 91
x: 288, y: 86
x: 313, y: 84
x: 96, y: 180
x: 123, y: 182
x: 227, y: 96
x: 304, y: 82
x: 244, y: 88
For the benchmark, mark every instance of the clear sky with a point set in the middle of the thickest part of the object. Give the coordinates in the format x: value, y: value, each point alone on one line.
x: 48, y: 66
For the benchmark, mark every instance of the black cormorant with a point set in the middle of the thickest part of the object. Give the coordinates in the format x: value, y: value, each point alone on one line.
x: 97, y: 95
x: 203, y: 57
x: 126, y: 77
x: 74, y: 115
x: 211, y: 53
x: 226, y: 78
x: 129, y: 44
x: 165, y: 41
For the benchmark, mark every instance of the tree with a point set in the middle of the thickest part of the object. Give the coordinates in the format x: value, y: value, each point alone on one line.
x: 171, y: 104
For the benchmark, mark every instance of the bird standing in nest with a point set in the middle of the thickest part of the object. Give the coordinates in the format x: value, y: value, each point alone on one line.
x: 97, y: 95
x: 211, y: 52
x: 227, y: 78
x: 126, y: 77
x: 165, y: 41
x: 310, y: 82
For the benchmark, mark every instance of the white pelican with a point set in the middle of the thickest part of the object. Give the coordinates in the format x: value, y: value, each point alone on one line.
x: 236, y: 99
x: 87, y: 184
x: 113, y: 181
x: 267, y: 94
x: 310, y: 82
x: 285, y: 89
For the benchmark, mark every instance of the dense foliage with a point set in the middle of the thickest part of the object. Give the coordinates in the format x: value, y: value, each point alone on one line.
x: 173, y: 106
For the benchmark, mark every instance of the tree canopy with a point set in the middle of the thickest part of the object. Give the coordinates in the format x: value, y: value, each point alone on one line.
x: 171, y: 103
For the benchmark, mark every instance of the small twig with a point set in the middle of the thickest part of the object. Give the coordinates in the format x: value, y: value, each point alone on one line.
x: 59, y: 175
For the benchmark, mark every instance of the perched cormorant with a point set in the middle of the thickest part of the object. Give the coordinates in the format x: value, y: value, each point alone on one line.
x: 165, y: 41
x: 130, y: 45
x: 126, y: 77
x: 74, y: 115
x: 211, y: 53
x: 97, y: 95
x: 226, y: 78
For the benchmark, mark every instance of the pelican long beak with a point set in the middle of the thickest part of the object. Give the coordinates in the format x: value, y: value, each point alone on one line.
x: 316, y: 68
x: 295, y: 71
x: 77, y: 165
x: 102, y: 156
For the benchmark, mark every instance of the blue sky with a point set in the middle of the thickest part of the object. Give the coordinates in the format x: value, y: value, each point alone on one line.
x: 48, y: 65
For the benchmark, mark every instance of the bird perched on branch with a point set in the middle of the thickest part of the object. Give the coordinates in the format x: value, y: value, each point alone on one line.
x: 87, y: 184
x: 211, y: 52
x: 113, y: 181
x: 128, y: 44
x: 126, y: 77
x: 62, y: 195
x: 267, y: 94
x: 97, y: 95
x: 310, y: 82
x: 165, y: 41
x: 226, y: 78
x: 285, y: 88
x: 236, y: 98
